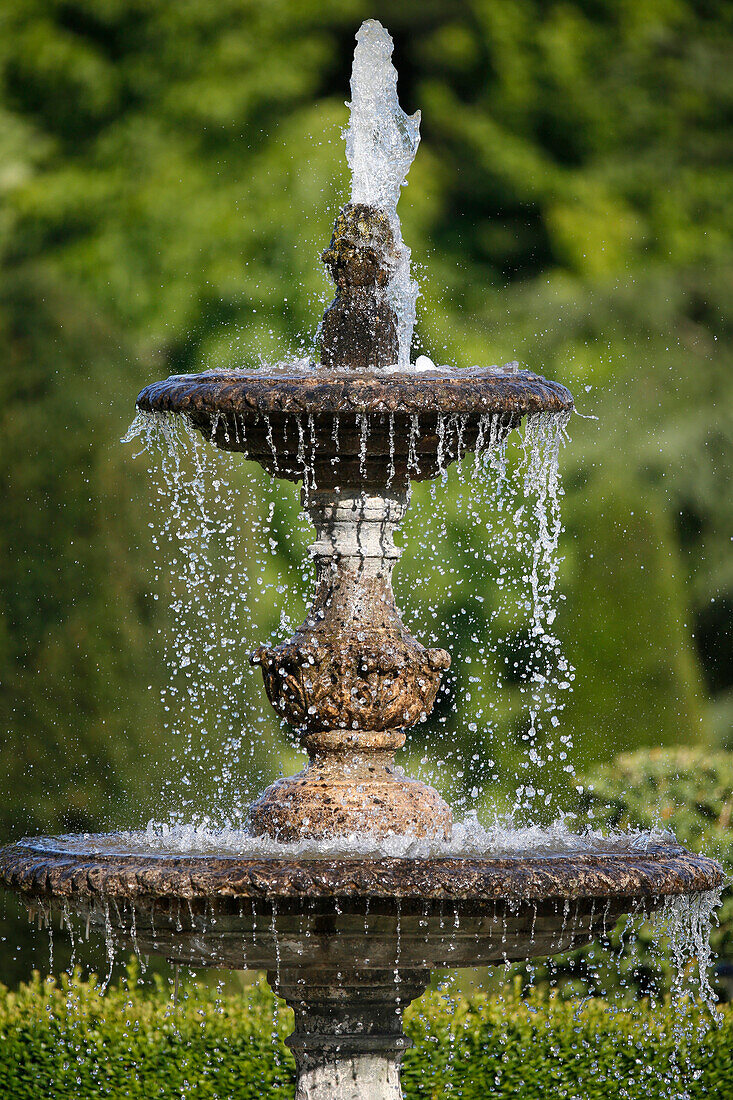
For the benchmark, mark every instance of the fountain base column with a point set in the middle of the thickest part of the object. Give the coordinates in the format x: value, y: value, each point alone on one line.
x: 359, y: 1077
x: 351, y: 680
x: 348, y: 1040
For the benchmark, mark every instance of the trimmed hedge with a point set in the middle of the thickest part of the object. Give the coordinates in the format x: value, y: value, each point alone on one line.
x: 66, y: 1040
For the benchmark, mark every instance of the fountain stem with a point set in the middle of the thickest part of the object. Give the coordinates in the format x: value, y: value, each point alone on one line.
x: 350, y: 680
x: 348, y: 1040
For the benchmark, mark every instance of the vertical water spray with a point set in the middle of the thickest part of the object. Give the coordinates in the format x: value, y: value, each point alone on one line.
x: 381, y: 143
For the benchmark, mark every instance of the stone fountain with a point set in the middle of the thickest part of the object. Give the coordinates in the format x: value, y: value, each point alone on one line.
x: 350, y: 941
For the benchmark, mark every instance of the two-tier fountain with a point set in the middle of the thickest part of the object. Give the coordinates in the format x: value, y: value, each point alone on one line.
x: 349, y: 941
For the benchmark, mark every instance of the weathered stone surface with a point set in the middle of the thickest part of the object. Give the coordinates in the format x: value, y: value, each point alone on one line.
x: 294, y: 423
x: 350, y: 671
x: 348, y: 943
x: 57, y: 869
x: 359, y: 1076
x: 343, y: 792
x: 470, y: 391
x: 348, y: 1039
x: 352, y: 664
x: 359, y: 328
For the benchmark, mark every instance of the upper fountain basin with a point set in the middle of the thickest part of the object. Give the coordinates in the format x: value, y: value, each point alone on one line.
x: 289, y: 418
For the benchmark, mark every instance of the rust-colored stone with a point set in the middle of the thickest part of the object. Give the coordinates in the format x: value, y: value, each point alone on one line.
x: 55, y: 868
x: 352, y: 664
x: 341, y: 793
x: 359, y: 328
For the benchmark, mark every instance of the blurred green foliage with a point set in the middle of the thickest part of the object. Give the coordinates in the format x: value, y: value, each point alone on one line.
x: 67, y: 1040
x: 688, y: 791
x: 169, y: 173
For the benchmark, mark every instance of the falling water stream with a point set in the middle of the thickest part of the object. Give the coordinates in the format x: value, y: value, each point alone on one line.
x: 218, y: 547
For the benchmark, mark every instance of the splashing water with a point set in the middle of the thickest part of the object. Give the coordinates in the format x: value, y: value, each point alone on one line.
x: 686, y: 922
x: 223, y: 538
x: 382, y: 140
x: 381, y: 143
x: 489, y: 553
x: 469, y: 838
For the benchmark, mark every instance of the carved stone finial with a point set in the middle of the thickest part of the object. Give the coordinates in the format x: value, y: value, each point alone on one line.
x: 359, y: 328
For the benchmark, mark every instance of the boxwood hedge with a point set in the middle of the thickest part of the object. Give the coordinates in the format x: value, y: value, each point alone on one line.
x: 66, y: 1039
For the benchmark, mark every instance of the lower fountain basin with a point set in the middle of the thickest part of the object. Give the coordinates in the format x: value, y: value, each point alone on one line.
x: 325, y: 915
x: 347, y: 942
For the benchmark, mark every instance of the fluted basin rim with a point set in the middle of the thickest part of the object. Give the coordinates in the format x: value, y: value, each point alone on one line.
x: 54, y: 873
x: 466, y: 391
